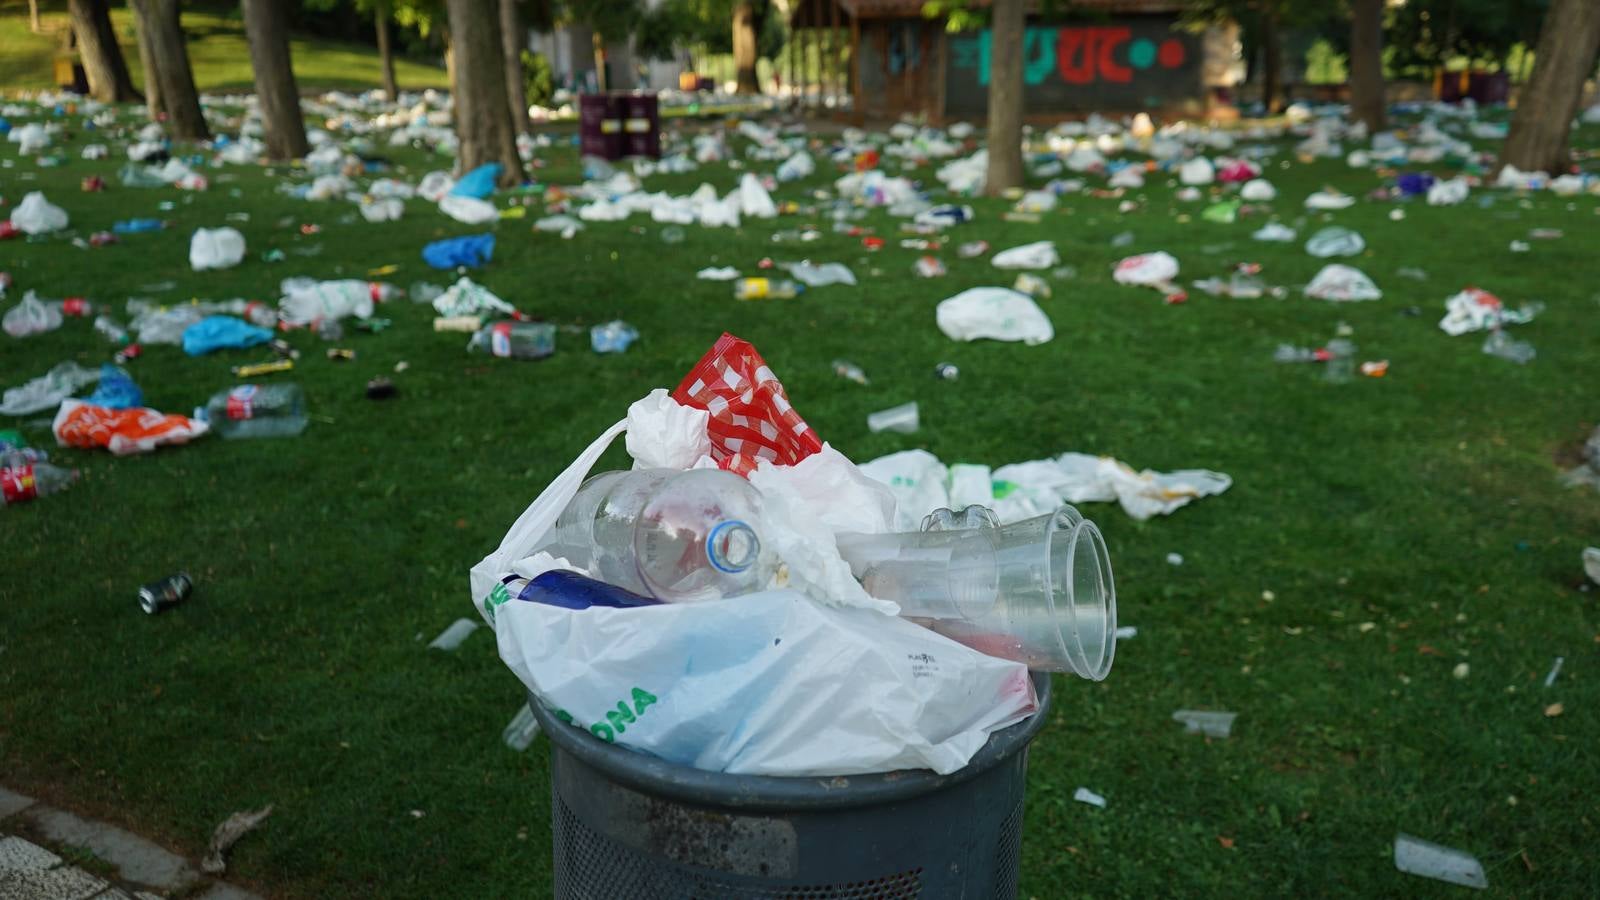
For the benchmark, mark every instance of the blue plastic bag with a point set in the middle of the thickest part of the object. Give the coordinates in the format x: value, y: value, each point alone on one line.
x: 471, y: 251
x: 222, y: 333
x: 116, y: 390
x: 479, y: 183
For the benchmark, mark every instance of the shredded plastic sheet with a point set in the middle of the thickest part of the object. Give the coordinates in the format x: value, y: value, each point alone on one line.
x: 921, y: 484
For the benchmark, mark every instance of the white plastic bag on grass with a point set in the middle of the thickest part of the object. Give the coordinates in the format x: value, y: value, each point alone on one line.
x: 36, y: 215
x: 305, y: 302
x: 470, y: 210
x: 1146, y: 269
x: 215, y: 248
x: 468, y: 298
x: 797, y: 166
x: 1447, y: 193
x: 435, y: 185
x: 754, y: 201
x: 996, y: 313
x: 1037, y: 255
x: 1258, y: 190
x: 382, y: 209
x: 1342, y: 283
x: 1197, y: 171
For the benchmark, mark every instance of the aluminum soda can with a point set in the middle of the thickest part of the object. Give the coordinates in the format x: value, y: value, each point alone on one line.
x: 947, y: 371
x: 170, y: 591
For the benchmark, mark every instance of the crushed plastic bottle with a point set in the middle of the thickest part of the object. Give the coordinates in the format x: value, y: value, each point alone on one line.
x: 849, y: 371
x: 514, y: 340
x: 904, y: 418
x: 111, y: 330
x: 423, y: 292
x: 256, y: 411
x: 28, y: 480
x: 520, y: 732
x: 1503, y: 345
x: 1414, y: 856
x: 1208, y: 723
x: 766, y: 289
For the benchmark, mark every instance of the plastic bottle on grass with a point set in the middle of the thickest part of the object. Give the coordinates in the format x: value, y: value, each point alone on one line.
x: 515, y: 340
x: 257, y: 410
x: 21, y: 483
x: 677, y: 536
x: 766, y: 289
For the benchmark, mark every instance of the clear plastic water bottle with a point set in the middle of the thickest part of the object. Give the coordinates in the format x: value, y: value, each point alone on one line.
x: 111, y: 330
x: 849, y: 371
x: 680, y: 537
x: 257, y: 410
x: 21, y: 483
x: 515, y: 340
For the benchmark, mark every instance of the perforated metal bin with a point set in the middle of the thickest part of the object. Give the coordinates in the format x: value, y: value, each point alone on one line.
x: 630, y: 827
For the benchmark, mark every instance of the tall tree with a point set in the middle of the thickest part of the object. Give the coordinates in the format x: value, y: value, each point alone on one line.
x: 149, y: 63
x: 267, y: 29
x: 746, y: 25
x: 514, y: 40
x: 1005, y: 96
x: 484, y: 129
x: 158, y: 24
x: 381, y: 13
x: 109, y: 81
x: 1565, y: 57
x: 1271, y: 32
x: 33, y: 16
x: 1367, y: 102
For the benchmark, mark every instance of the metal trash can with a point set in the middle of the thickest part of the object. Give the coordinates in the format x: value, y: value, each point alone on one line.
x: 628, y: 826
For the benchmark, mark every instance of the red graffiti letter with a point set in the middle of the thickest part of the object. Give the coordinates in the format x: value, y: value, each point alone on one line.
x: 1076, y: 68
x: 1110, y: 39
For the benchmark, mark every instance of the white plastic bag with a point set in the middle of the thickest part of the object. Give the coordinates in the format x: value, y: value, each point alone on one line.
x: 1127, y: 177
x: 1329, y: 199
x: 36, y: 215
x: 215, y: 248
x: 1146, y: 269
x: 1342, y: 283
x: 306, y: 303
x: 470, y: 210
x: 1037, y: 255
x: 1274, y: 232
x: 1258, y: 190
x: 1335, y: 241
x: 997, y: 313
x: 797, y: 166
x: 1197, y: 171
x: 31, y: 316
x: 468, y: 298
x: 435, y: 185
x: 382, y: 209
x: 754, y: 201
x: 1447, y: 193
x: 765, y: 684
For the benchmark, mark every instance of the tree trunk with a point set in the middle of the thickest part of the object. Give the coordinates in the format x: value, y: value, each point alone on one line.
x: 1538, y: 140
x: 449, y: 58
x: 109, y: 81
x: 33, y: 16
x: 514, y: 38
x: 149, y: 63
x: 744, y: 48
x: 1366, y: 64
x: 279, y: 97
x: 391, y: 87
x: 1005, y: 97
x: 599, y: 42
x: 1272, y: 61
x: 483, y: 111
x: 159, y: 20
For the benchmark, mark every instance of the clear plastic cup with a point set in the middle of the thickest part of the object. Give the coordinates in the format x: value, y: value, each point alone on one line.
x: 1040, y: 591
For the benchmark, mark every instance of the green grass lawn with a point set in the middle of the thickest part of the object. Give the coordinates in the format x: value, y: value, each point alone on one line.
x: 218, y: 52
x: 1425, y: 503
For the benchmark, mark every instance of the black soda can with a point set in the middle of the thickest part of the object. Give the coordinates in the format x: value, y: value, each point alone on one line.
x: 170, y: 591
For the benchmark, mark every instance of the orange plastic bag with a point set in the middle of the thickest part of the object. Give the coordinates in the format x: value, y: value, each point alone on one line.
x: 122, y: 431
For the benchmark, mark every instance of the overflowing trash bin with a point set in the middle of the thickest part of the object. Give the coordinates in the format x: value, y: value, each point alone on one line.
x: 758, y: 683
x: 627, y: 825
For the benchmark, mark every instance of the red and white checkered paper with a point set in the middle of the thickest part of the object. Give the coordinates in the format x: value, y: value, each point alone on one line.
x: 751, y: 418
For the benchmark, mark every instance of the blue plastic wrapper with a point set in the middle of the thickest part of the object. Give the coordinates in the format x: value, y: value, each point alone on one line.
x: 134, y: 226
x: 612, y: 337
x: 479, y: 183
x: 116, y: 390
x: 222, y: 333
x: 471, y: 251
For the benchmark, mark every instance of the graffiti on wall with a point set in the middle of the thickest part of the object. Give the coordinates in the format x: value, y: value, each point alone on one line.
x: 1131, y: 62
